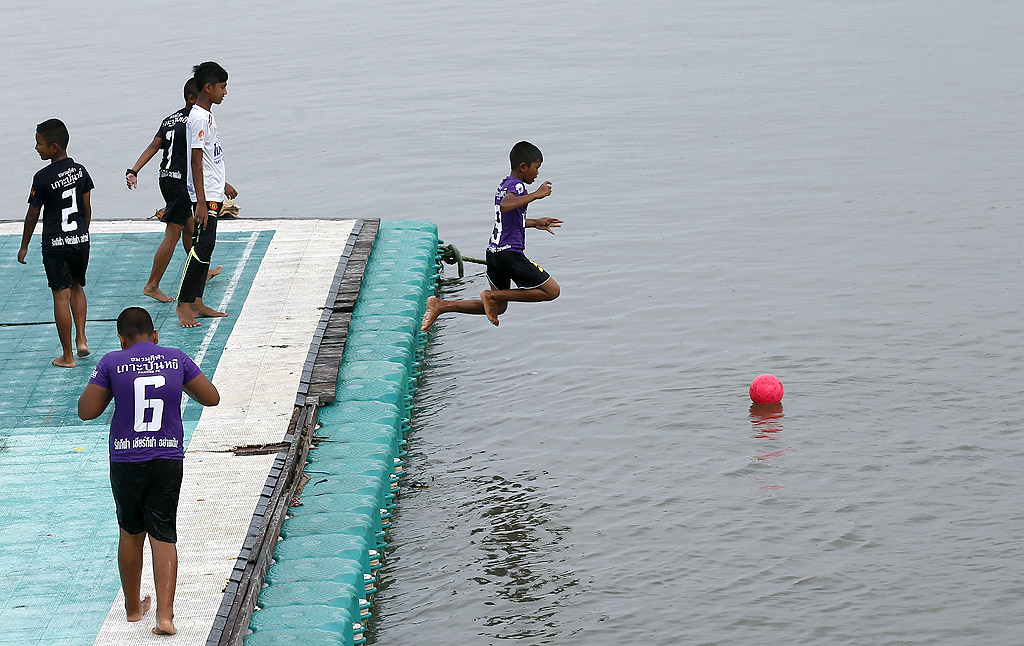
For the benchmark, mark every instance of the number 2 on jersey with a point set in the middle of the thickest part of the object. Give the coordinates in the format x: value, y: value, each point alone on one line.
x: 66, y: 224
x: 143, y: 405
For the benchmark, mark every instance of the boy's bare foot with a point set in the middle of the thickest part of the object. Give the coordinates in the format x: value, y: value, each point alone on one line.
x: 155, y: 292
x: 145, y: 603
x: 164, y: 627
x: 64, y: 362
x: 433, y: 311
x: 185, y: 315
x: 213, y: 272
x: 83, y: 347
x: 490, y: 306
x: 201, y: 310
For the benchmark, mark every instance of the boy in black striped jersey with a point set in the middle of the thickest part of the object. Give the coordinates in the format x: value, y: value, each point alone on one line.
x: 171, y: 138
x: 61, y: 191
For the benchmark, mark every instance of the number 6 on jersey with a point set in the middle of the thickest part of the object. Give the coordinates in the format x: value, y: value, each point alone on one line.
x: 144, y: 404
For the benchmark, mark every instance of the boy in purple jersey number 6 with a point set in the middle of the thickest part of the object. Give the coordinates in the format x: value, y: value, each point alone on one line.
x: 146, y: 382
x: 506, y: 258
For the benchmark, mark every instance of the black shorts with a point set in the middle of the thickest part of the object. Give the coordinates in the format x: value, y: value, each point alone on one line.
x: 503, y: 266
x: 146, y: 497
x: 65, y: 267
x: 179, y: 205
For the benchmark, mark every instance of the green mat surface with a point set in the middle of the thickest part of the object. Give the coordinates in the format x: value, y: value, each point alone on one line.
x: 58, y: 532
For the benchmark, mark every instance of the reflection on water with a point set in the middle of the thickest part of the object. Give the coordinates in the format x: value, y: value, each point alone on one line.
x: 766, y: 419
x: 522, y: 561
x: 766, y: 422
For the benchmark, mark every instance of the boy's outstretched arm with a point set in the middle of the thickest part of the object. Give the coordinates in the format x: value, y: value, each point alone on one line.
x: 153, y: 148
x: 203, y: 391
x: 512, y: 202
x: 31, y: 218
x: 94, y: 401
x: 544, y: 224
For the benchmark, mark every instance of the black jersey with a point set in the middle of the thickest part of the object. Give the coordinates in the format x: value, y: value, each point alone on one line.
x: 59, y: 190
x: 172, y: 132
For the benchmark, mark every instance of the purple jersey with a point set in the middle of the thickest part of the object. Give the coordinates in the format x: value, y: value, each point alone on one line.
x: 509, y: 227
x: 146, y: 380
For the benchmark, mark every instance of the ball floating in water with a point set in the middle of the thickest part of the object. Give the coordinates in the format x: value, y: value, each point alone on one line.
x: 766, y: 389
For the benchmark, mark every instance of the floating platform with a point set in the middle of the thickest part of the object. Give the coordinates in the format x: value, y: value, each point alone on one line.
x: 303, y: 308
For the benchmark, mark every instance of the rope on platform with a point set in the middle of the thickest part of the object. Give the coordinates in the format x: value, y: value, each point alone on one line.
x: 449, y: 254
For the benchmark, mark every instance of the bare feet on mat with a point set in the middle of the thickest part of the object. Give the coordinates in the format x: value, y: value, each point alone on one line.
x: 145, y: 603
x: 490, y: 306
x: 154, y: 292
x: 185, y: 315
x: 83, y: 347
x: 164, y: 627
x: 64, y: 362
x: 213, y: 272
x: 433, y: 311
x: 201, y: 310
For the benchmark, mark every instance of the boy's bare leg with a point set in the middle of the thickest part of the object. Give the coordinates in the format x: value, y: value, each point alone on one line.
x: 129, y: 565
x: 62, y: 315
x: 495, y: 301
x: 436, y: 307
x: 79, y: 308
x: 187, y: 232
x: 161, y: 259
x: 165, y: 575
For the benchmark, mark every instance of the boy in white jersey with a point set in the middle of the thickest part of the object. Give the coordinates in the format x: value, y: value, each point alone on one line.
x: 172, y: 139
x: 207, y: 189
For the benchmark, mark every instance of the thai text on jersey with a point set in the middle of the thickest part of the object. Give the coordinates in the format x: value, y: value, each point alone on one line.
x: 147, y: 382
x: 59, y: 190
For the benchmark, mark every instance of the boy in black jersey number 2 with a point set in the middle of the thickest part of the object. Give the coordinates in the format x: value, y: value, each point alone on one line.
x: 172, y: 139
x: 61, y: 191
x: 206, y: 187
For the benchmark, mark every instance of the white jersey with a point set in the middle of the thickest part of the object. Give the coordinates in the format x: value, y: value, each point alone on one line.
x: 202, y: 133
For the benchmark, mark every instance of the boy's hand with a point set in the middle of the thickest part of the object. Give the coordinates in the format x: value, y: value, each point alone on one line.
x: 543, y: 191
x: 21, y: 255
x: 131, y: 179
x: 547, y: 224
x: 202, y: 214
x: 230, y: 191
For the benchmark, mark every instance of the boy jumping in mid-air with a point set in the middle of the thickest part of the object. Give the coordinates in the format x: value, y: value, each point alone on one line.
x: 62, y: 191
x: 146, y: 382
x: 207, y: 189
x: 506, y: 260
x: 172, y: 138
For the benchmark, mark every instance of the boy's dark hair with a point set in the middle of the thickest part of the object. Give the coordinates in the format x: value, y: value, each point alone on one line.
x: 53, y: 131
x: 190, y: 88
x: 134, y: 322
x: 208, y: 72
x: 524, y: 153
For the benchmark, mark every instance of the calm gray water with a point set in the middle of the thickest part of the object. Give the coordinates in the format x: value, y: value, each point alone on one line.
x: 827, y: 191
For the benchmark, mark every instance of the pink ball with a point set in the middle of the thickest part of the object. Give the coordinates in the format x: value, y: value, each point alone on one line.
x: 766, y: 389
